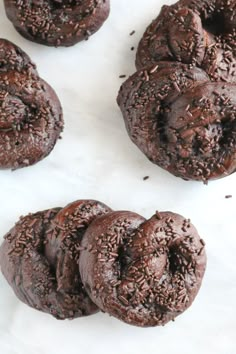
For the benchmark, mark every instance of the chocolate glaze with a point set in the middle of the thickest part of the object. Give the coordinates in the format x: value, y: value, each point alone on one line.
x: 181, y: 120
x: 64, y: 238
x: 70, y: 262
x: 57, y: 22
x: 30, y: 112
x: 144, y: 272
x: 39, y: 259
x: 193, y: 32
x: 179, y: 108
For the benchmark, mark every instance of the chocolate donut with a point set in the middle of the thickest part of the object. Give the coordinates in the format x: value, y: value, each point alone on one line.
x: 179, y: 109
x: 181, y: 120
x: 39, y: 259
x: 57, y: 22
x: 30, y: 112
x: 194, y: 32
x: 144, y: 272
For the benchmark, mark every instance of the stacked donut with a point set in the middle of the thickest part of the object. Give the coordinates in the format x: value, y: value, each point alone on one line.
x: 71, y: 262
x: 180, y: 107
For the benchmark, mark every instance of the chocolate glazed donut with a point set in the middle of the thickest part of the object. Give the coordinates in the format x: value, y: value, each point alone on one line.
x: 30, y: 112
x: 57, y: 22
x: 39, y: 259
x: 181, y: 120
x: 194, y: 32
x: 180, y: 109
x: 144, y: 272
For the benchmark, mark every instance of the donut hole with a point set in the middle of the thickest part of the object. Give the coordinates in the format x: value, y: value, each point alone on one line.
x: 160, y: 119
x: 124, y: 259
x: 228, y: 136
x: 215, y: 24
x: 214, y: 137
x: 207, y: 139
x: 58, y: 4
x: 174, y: 260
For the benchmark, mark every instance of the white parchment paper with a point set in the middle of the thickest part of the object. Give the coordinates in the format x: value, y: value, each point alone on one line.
x: 96, y: 159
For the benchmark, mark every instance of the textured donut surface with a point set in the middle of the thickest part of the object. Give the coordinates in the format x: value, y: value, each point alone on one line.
x: 181, y: 120
x: 30, y: 112
x: 57, y: 22
x: 71, y: 262
x: 193, y: 32
x: 144, y: 272
x: 179, y: 108
x: 39, y: 259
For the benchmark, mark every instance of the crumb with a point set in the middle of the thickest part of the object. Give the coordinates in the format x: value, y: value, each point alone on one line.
x: 122, y: 76
x: 145, y: 178
x: 228, y: 196
x: 131, y: 33
x: 132, y: 48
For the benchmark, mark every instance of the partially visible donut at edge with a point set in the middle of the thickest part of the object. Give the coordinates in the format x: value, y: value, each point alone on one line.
x: 57, y: 23
x: 200, y: 33
x: 31, y: 119
x: 181, y: 120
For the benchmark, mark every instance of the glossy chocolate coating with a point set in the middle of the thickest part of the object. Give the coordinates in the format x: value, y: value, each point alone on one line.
x: 39, y: 259
x: 56, y: 22
x: 30, y: 112
x: 200, y: 33
x: 144, y: 272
